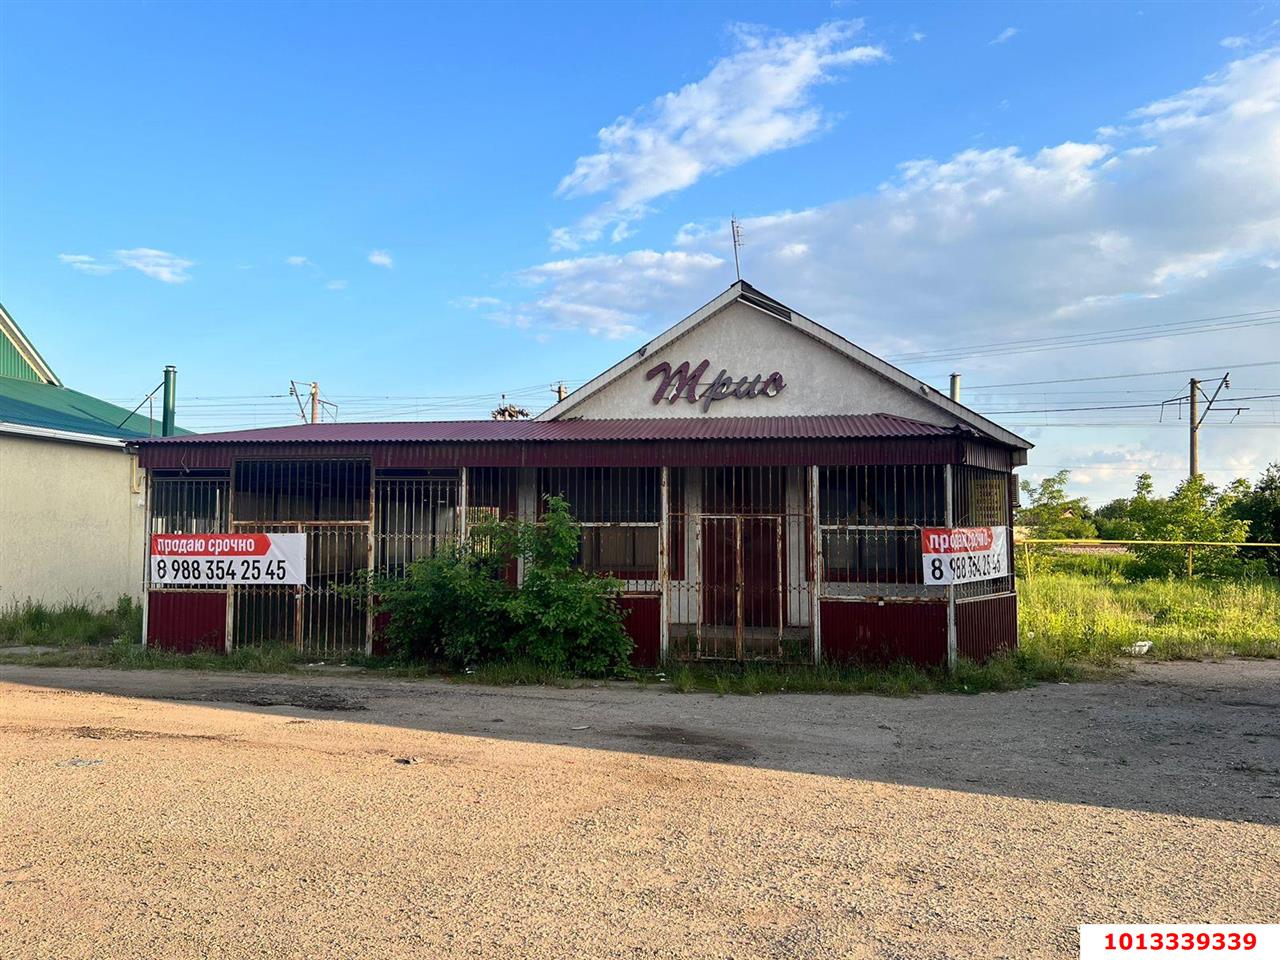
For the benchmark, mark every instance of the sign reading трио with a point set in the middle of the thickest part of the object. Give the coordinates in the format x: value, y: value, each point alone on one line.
x: 681, y: 383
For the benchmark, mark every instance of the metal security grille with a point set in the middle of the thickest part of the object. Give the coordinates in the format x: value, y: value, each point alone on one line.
x: 416, y: 513
x: 738, y: 563
x: 981, y: 498
x: 322, y: 618
x: 870, y: 519
x: 309, y: 491
x: 186, y: 503
x: 620, y: 512
x: 731, y: 563
x: 331, y: 501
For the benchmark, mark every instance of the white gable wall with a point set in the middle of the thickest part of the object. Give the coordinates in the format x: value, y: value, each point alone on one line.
x: 747, y: 342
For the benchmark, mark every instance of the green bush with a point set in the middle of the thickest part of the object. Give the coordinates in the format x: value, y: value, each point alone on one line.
x: 458, y: 607
x: 450, y: 608
x: 566, y: 618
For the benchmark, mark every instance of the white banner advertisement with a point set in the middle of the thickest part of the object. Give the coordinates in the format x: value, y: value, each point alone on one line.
x: 222, y: 558
x: 964, y: 554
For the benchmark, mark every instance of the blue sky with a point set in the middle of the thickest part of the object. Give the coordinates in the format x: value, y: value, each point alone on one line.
x: 425, y: 206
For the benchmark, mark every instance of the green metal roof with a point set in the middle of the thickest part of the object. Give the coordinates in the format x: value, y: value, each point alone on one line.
x: 18, y: 355
x: 57, y: 408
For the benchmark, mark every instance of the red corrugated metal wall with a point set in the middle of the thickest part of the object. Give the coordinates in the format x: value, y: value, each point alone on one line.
x: 865, y: 632
x: 644, y: 623
x: 185, y: 621
x: 986, y: 627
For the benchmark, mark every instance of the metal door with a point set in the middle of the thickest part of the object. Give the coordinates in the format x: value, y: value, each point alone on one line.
x: 741, y: 609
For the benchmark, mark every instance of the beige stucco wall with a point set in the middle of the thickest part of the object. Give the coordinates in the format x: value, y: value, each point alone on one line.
x: 746, y: 342
x: 72, y: 522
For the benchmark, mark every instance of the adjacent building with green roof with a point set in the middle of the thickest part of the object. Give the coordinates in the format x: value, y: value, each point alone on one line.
x: 72, y: 501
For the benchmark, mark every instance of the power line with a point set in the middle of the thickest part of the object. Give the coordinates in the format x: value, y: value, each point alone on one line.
x: 1170, y: 325
x: 1143, y: 425
x: 1094, y: 338
x: 1127, y: 376
x: 1115, y: 406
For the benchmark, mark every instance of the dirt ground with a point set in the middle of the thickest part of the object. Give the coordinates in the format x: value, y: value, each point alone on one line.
x: 153, y: 814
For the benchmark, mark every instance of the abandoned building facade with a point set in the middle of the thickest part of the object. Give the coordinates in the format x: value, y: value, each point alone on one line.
x: 758, y: 483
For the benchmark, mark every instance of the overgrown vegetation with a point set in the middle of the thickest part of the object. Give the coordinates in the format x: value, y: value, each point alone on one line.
x: 1069, y: 617
x: 1239, y: 513
x: 127, y: 655
x: 37, y: 624
x: 459, y: 608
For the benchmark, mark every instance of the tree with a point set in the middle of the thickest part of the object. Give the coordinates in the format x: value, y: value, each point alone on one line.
x: 1115, y: 520
x: 1196, y: 510
x: 1051, y: 514
x: 1259, y: 506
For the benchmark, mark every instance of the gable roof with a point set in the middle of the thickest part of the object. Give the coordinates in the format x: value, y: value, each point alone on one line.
x: 19, y: 357
x: 31, y: 404
x: 743, y: 292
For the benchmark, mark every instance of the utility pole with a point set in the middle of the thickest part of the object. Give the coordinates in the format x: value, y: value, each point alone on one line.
x: 1197, y: 418
x: 955, y: 387
x: 1194, y: 394
x: 561, y: 391
x: 313, y: 392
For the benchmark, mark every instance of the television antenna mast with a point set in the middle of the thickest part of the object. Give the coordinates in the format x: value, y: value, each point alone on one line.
x: 736, y: 229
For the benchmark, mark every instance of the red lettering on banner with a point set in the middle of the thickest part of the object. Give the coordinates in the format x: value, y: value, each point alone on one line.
x: 210, y: 544
x: 957, y: 539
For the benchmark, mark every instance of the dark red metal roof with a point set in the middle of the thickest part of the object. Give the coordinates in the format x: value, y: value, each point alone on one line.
x: 848, y: 427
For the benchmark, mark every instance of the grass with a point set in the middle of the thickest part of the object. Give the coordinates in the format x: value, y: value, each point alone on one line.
x: 68, y: 624
x: 1010, y: 672
x: 1071, y: 623
x: 1093, y: 619
x: 126, y: 655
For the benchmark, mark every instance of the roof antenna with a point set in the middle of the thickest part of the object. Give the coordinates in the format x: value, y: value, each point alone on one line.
x: 736, y: 229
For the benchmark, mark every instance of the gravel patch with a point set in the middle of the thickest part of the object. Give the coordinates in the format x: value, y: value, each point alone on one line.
x: 452, y: 821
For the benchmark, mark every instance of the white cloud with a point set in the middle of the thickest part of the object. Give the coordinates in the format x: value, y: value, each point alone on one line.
x: 87, y: 264
x: 755, y: 101
x: 607, y: 295
x: 299, y: 262
x: 381, y: 258
x: 476, y: 303
x: 1234, y: 43
x: 1005, y: 35
x: 917, y: 36
x: 157, y: 264
x: 336, y: 285
x: 1175, y: 216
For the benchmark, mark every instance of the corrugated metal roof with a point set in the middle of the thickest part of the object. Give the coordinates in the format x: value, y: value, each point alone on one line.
x: 35, y: 404
x: 848, y: 427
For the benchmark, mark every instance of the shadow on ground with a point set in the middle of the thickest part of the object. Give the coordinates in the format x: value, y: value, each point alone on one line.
x: 1191, y: 739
